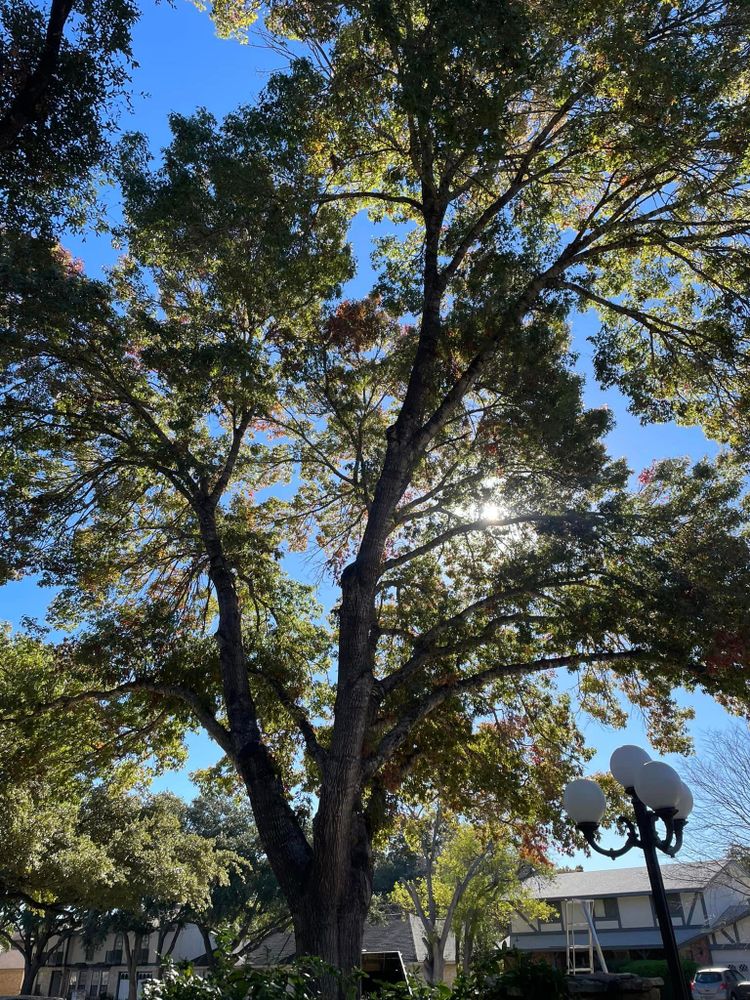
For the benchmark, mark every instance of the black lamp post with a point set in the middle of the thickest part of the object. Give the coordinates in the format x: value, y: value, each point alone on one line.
x: 658, y: 796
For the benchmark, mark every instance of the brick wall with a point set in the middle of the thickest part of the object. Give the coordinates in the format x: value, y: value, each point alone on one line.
x: 10, y: 982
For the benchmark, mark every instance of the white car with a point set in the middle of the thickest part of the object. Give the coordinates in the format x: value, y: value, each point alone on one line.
x: 719, y: 981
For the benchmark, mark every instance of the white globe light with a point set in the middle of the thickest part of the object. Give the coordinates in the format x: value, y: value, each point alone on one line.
x: 658, y: 785
x: 626, y: 762
x: 685, y: 802
x: 584, y: 801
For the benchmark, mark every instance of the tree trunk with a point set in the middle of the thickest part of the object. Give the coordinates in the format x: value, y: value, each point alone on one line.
x: 30, y: 972
x: 208, y: 946
x: 467, y: 950
x: 132, y: 954
x: 335, y: 936
x: 435, y: 970
x: 329, y: 924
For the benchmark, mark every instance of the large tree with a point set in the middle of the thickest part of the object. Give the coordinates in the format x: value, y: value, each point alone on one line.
x: 432, y: 437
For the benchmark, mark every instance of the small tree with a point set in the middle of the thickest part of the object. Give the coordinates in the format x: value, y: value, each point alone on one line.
x: 49, y: 867
x: 468, y: 884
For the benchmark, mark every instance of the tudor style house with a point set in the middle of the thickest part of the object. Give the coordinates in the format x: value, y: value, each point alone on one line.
x: 76, y: 971
x: 84, y: 972
x: 708, y: 902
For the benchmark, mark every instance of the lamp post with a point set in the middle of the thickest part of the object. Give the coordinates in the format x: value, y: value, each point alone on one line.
x: 658, y: 796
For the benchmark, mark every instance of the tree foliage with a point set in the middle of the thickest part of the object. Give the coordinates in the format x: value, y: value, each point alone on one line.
x: 62, y: 72
x: 468, y: 882
x: 169, y: 435
x: 248, y: 906
x: 96, y: 858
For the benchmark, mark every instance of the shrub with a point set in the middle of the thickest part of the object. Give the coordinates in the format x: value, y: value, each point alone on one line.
x: 657, y: 967
x: 493, y: 980
x: 288, y: 982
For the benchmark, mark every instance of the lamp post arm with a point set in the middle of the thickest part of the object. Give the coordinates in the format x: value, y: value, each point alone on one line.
x: 665, y: 843
x: 679, y: 826
x: 589, y: 831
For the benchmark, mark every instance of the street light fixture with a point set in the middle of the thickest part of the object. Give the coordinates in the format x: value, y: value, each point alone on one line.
x: 658, y: 795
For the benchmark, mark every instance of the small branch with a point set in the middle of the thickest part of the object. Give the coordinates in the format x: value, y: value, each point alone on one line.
x: 481, y: 524
x: 206, y: 717
x: 306, y: 728
x: 231, y: 460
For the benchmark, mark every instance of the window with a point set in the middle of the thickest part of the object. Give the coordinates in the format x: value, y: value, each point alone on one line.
x: 555, y: 917
x: 607, y: 908
x: 674, y: 902
x: 708, y: 977
x: 89, y: 952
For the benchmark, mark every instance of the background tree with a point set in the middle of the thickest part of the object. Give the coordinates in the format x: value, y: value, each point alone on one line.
x: 50, y: 868
x: 440, y: 455
x: 719, y: 773
x: 467, y: 883
x: 249, y: 905
x: 163, y: 872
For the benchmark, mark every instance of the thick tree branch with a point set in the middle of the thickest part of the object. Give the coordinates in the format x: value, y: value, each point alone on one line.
x: 450, y: 689
x: 395, y: 199
x: 28, y: 104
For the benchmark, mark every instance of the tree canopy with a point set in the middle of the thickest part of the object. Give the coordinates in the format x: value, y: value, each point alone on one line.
x: 99, y: 857
x: 63, y: 71
x: 171, y: 434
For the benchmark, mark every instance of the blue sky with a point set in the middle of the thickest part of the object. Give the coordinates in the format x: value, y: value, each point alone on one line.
x: 182, y: 66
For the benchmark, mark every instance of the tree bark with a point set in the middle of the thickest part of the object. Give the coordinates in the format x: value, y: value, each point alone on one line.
x: 30, y: 972
x: 132, y: 953
x: 329, y: 923
x: 28, y: 104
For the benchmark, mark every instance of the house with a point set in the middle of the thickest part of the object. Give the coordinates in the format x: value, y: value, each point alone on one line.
x: 79, y: 970
x: 708, y: 901
x: 390, y: 949
x: 83, y: 972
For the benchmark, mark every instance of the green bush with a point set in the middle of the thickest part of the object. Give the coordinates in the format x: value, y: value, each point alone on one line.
x: 289, y: 982
x: 493, y: 980
x: 657, y: 967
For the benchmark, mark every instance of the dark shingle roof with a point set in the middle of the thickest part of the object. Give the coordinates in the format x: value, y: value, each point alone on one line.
x: 625, y: 881
x: 393, y: 935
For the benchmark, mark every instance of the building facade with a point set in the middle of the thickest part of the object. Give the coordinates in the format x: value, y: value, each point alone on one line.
x: 708, y: 903
x: 11, y: 972
x: 77, y: 971
x: 80, y: 971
